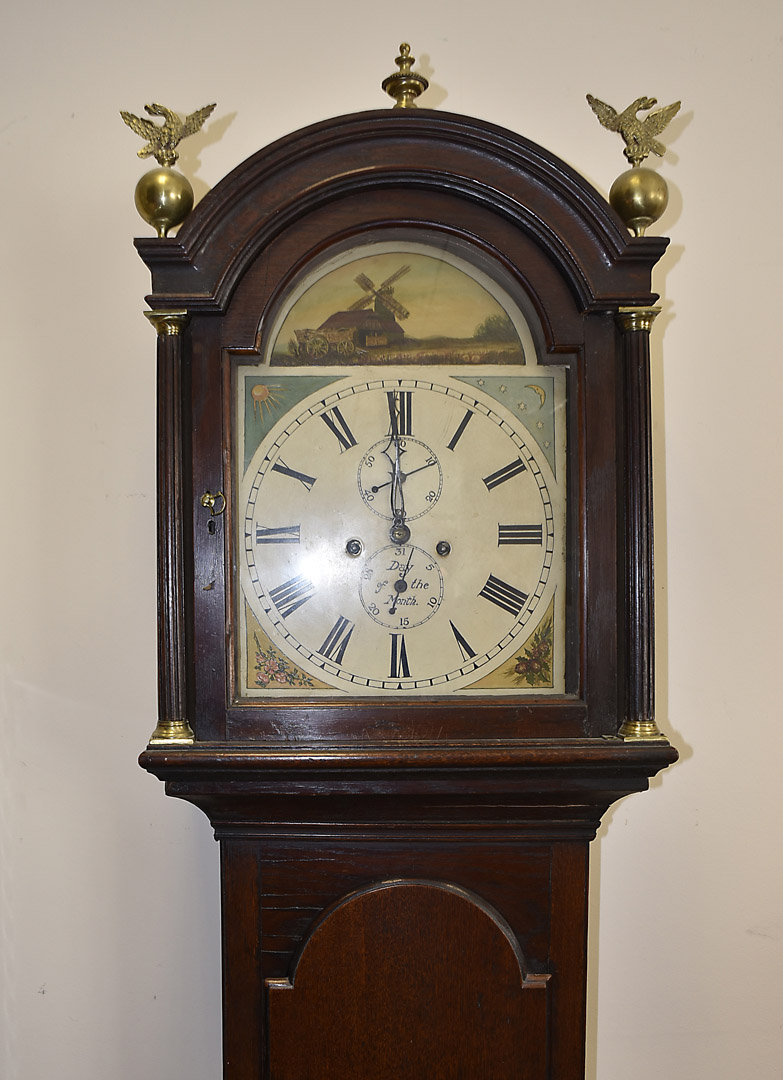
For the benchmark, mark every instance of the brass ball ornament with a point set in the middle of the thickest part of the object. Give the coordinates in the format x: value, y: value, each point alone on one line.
x: 164, y: 198
x: 640, y: 196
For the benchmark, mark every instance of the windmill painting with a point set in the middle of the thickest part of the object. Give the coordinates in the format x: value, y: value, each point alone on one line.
x: 369, y: 322
x: 398, y: 307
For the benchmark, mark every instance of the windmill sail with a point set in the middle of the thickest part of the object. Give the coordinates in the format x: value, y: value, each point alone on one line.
x: 382, y: 294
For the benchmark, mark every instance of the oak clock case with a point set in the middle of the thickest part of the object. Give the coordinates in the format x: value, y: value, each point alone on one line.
x: 405, y: 587
x: 401, y: 522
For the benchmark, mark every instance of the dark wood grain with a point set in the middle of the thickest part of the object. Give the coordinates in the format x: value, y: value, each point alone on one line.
x: 409, y: 978
x: 302, y: 830
x: 244, y: 1044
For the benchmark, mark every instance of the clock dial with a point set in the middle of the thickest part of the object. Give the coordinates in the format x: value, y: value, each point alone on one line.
x: 400, y: 534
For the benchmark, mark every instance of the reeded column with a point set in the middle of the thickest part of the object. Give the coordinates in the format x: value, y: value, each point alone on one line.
x: 639, y: 721
x: 173, y: 726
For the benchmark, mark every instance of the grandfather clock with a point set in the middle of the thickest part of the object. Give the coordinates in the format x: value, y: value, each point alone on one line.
x: 405, y: 566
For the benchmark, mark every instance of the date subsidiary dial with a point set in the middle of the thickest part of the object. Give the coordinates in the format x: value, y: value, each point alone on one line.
x: 401, y: 587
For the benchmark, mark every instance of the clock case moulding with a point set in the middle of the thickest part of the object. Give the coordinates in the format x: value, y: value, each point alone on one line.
x: 372, y: 786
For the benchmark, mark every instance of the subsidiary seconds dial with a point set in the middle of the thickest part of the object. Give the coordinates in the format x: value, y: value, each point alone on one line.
x: 401, y: 535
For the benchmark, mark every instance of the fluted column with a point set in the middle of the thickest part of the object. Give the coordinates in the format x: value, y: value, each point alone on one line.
x: 173, y: 726
x: 639, y: 719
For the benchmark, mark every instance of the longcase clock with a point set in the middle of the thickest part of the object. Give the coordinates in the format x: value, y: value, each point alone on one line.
x: 405, y: 587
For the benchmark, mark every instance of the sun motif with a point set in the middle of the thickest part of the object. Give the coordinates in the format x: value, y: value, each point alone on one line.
x: 264, y: 398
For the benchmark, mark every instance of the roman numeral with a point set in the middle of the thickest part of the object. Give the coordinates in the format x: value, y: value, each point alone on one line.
x: 400, y: 404
x: 335, y: 421
x: 399, y: 658
x: 455, y: 438
x: 337, y: 640
x: 281, y: 467
x: 512, y: 469
x: 291, y: 595
x: 519, y: 534
x: 464, y: 648
x: 503, y: 595
x: 286, y: 534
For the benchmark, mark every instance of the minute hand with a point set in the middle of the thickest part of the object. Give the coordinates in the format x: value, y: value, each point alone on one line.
x: 399, y: 532
x: 403, y: 476
x: 397, y: 496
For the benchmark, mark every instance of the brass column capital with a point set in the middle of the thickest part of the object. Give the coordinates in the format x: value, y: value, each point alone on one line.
x: 636, y: 318
x: 168, y: 323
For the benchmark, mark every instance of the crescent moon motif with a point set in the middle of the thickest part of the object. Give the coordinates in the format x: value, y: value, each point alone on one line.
x: 539, y: 390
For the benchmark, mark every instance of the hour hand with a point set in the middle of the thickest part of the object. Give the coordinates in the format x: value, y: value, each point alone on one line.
x: 401, y: 585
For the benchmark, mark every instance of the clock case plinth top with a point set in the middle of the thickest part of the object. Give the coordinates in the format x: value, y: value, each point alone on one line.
x: 539, y: 788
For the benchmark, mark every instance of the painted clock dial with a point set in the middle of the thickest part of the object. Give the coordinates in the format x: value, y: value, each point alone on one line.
x: 399, y: 526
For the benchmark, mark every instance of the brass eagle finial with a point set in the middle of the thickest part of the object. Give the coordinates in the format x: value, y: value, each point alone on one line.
x: 639, y: 134
x: 163, y: 139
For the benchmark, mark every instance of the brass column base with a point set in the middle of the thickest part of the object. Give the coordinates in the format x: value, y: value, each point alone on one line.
x: 641, y: 731
x: 172, y: 731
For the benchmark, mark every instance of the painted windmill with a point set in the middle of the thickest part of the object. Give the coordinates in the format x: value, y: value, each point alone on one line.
x: 382, y: 296
x: 356, y: 327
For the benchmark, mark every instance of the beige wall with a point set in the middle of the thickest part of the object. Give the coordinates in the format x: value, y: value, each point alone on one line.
x: 110, y: 950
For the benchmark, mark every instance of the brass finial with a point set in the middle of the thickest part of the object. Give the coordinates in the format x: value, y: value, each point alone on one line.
x: 163, y: 139
x: 164, y: 197
x: 639, y: 135
x: 405, y: 85
x: 639, y: 195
